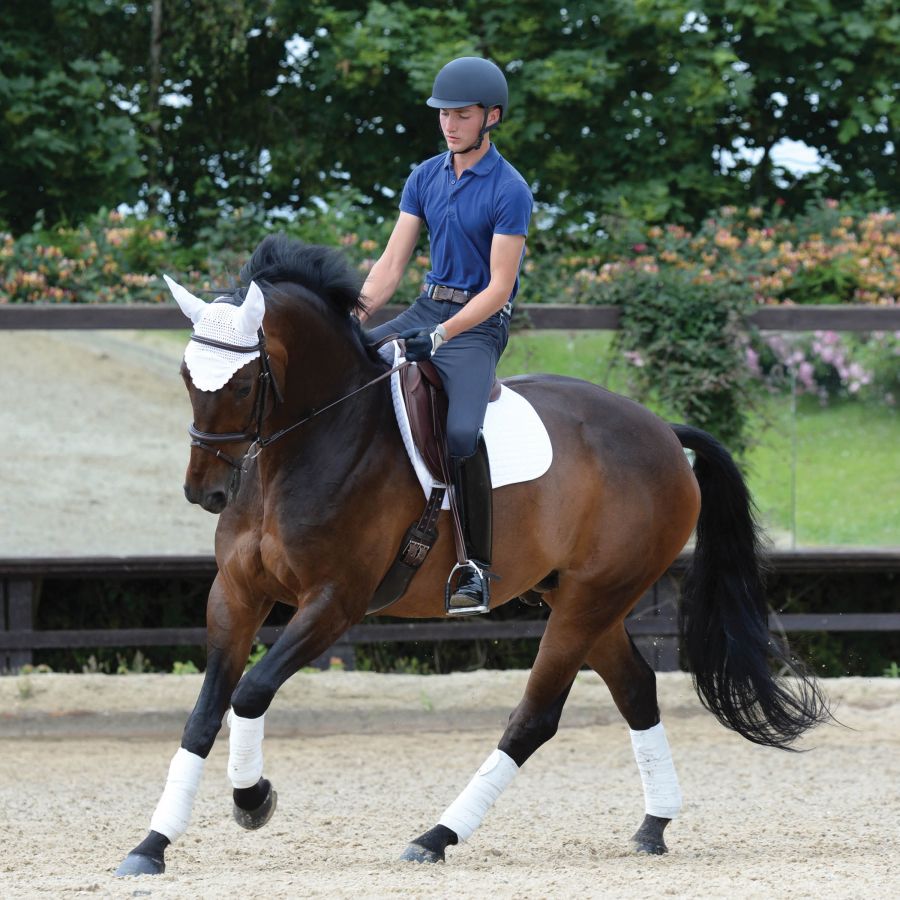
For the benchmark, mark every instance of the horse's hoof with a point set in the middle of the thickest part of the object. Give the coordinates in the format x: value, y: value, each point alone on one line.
x: 251, y: 819
x: 651, y: 847
x: 649, y: 837
x: 418, y: 853
x: 138, y: 864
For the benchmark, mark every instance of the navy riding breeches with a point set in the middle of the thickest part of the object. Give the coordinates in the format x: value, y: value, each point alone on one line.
x: 466, y: 365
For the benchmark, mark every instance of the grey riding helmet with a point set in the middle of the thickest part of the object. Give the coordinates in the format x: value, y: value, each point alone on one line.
x: 470, y: 81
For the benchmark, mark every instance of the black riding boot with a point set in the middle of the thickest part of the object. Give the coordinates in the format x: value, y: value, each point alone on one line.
x: 471, y: 477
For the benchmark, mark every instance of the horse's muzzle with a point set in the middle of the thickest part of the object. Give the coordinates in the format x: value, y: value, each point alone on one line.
x: 211, y: 501
x: 214, y: 499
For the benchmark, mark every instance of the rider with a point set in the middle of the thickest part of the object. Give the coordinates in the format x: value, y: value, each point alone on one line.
x: 476, y: 208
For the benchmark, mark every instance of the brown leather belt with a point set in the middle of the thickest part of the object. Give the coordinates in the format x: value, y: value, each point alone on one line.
x: 442, y: 292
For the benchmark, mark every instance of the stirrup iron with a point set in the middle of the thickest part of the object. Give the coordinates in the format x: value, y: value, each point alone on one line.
x: 470, y: 607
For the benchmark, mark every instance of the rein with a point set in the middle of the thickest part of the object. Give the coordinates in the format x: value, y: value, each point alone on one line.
x: 205, y: 439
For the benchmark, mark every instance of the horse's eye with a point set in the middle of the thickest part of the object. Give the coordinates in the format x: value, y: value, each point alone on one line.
x: 241, y: 391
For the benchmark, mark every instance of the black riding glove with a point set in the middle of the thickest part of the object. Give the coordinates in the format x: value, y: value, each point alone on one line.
x: 422, y: 343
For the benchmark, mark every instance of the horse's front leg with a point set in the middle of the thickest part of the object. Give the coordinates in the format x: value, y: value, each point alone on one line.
x: 232, y: 624
x: 313, y: 629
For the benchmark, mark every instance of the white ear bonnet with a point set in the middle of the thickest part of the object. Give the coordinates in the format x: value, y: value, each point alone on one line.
x: 211, y: 368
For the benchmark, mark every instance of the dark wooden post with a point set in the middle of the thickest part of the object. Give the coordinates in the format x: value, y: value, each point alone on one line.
x: 18, y: 599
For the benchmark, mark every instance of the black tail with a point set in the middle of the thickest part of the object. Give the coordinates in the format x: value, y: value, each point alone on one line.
x: 724, y: 615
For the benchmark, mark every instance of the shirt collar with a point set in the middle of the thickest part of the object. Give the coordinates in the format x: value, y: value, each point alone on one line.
x: 483, y: 166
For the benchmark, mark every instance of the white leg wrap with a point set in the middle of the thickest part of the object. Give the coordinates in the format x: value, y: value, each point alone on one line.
x: 662, y: 796
x: 466, y: 812
x: 245, y: 756
x: 173, y: 812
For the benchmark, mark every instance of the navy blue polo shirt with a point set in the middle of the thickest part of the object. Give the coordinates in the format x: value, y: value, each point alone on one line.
x: 463, y: 215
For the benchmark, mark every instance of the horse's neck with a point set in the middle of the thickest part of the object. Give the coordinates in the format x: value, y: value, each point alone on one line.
x: 323, y: 360
x: 325, y: 366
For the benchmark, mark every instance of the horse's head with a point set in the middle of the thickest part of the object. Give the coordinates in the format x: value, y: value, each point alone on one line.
x: 228, y: 376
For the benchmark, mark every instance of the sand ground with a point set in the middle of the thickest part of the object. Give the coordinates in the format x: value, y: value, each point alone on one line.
x: 364, y: 762
x: 95, y: 428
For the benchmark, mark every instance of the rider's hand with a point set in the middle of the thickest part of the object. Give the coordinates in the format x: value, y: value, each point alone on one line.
x: 422, y: 343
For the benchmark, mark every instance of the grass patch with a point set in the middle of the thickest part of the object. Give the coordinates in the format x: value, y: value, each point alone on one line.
x: 847, y: 478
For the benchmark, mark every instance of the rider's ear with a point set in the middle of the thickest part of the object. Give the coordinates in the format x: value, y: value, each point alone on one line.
x: 250, y: 313
x: 191, y: 306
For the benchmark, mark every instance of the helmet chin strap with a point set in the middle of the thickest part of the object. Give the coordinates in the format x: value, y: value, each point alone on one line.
x: 485, y: 128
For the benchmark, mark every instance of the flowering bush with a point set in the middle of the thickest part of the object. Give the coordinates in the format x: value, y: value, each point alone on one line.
x: 106, y: 260
x: 831, y: 254
x: 831, y: 365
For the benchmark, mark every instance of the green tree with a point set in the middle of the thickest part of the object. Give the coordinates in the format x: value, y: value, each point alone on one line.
x: 650, y: 109
x: 640, y: 106
x: 67, y: 145
x: 824, y: 72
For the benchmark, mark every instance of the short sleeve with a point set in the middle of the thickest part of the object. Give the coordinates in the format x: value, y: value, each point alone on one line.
x: 513, y: 210
x: 410, y: 201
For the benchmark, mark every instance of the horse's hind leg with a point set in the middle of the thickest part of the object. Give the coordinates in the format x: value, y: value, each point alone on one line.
x: 533, y: 722
x: 632, y: 684
x: 231, y: 627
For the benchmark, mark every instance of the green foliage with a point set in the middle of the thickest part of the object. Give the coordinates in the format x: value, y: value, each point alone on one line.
x: 258, y: 652
x: 184, y: 668
x: 66, y: 145
x: 627, y: 109
x: 684, y: 337
x: 138, y: 665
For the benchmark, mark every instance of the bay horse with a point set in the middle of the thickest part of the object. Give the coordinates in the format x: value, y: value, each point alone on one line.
x: 296, y: 447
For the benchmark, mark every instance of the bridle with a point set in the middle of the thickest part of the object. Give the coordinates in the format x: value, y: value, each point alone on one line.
x: 206, y: 440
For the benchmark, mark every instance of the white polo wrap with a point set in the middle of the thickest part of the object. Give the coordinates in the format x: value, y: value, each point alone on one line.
x: 662, y: 795
x: 466, y: 812
x: 173, y: 812
x: 245, y: 756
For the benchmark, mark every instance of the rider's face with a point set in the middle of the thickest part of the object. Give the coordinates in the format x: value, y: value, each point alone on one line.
x: 461, y: 126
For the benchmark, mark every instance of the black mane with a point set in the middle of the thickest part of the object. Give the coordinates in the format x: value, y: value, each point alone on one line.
x: 323, y: 270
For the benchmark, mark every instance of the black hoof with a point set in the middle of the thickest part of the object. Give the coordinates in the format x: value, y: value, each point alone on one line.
x: 420, y: 854
x: 429, y: 847
x: 649, y: 837
x: 251, y: 819
x: 138, y: 864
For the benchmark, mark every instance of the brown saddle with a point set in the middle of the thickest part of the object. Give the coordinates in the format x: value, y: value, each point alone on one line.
x: 426, y: 404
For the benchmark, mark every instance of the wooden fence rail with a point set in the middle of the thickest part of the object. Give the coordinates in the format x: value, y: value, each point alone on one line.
x: 653, y: 624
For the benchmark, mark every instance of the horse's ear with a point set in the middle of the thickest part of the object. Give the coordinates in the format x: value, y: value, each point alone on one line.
x: 191, y: 306
x: 250, y: 313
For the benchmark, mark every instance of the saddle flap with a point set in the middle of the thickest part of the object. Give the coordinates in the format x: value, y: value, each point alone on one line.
x: 426, y: 405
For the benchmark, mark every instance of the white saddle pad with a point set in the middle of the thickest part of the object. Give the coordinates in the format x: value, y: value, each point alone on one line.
x: 518, y: 444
